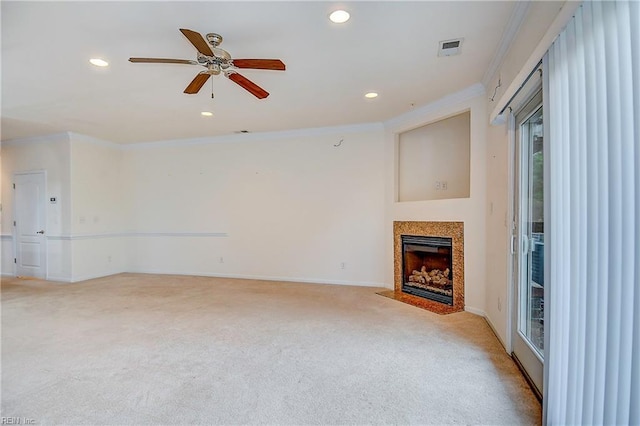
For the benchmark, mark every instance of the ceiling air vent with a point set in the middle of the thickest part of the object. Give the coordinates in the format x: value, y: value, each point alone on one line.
x: 450, y: 47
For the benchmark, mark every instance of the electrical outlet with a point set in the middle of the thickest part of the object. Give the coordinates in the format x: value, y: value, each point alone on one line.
x: 109, y: 258
x: 438, y: 185
x: 343, y: 265
x: 444, y: 185
x: 221, y: 260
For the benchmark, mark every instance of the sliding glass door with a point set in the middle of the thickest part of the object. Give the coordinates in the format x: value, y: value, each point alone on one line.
x: 528, y: 241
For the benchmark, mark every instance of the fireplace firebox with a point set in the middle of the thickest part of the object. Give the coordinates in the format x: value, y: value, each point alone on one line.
x: 427, y: 267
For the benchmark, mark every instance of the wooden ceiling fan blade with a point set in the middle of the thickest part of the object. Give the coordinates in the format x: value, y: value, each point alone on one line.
x: 162, y: 61
x: 198, y: 41
x: 249, y: 85
x: 260, y: 64
x: 197, y: 83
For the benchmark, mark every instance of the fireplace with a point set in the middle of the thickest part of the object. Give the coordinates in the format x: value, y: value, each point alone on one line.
x: 427, y: 267
x: 434, y: 247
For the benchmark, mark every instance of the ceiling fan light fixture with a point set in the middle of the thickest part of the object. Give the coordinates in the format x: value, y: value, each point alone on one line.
x: 339, y: 16
x: 206, y: 114
x: 371, y: 95
x: 98, y: 62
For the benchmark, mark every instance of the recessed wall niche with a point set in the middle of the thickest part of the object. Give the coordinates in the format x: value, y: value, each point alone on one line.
x: 434, y: 160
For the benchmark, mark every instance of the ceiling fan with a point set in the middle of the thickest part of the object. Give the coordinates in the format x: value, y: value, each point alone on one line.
x: 216, y: 61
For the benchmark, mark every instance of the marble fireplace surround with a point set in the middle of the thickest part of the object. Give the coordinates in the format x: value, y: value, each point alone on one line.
x: 453, y: 230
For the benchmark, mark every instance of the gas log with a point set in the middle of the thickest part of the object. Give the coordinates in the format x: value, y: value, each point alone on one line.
x: 434, y: 278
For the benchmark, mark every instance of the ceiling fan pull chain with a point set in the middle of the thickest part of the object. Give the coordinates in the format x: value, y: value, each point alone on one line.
x: 211, y: 88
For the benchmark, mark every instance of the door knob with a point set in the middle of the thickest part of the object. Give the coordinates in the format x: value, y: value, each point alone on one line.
x: 40, y: 232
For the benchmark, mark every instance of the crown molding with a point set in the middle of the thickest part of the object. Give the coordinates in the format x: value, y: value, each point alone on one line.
x: 51, y: 138
x: 262, y: 136
x: 557, y: 26
x: 518, y: 14
x: 79, y: 137
x: 416, y: 117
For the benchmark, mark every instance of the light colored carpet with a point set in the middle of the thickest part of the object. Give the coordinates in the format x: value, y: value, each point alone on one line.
x: 150, y: 349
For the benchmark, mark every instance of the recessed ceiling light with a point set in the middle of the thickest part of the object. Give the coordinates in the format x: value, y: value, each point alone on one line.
x: 99, y: 62
x: 206, y: 113
x: 371, y: 95
x: 339, y: 16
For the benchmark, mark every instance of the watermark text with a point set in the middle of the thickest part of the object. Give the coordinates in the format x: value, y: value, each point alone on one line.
x: 17, y: 421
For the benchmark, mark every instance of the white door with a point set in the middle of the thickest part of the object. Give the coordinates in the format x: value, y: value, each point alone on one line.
x: 30, y: 219
x: 528, y: 235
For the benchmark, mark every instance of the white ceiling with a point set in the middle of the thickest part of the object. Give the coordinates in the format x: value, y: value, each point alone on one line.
x: 48, y: 86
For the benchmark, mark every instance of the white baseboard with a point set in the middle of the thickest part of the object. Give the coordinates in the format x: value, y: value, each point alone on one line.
x: 484, y: 315
x: 475, y: 311
x: 79, y: 278
x: 86, y: 277
x: 56, y: 278
x: 260, y: 278
x: 59, y: 278
x: 493, y: 328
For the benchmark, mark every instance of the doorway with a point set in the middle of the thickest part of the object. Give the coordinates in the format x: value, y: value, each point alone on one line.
x: 29, y: 224
x: 528, y: 236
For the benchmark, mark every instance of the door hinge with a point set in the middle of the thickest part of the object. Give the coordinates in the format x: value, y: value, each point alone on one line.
x: 14, y: 223
x: 15, y: 260
x: 14, y: 186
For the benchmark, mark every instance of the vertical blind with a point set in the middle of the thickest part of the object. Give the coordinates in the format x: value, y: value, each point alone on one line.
x: 592, y: 86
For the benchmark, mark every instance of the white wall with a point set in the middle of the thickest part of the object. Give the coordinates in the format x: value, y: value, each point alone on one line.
x: 52, y: 154
x: 286, y: 206
x: 98, y: 208
x: 497, y: 244
x: 289, y: 206
x: 538, y: 19
x: 6, y: 238
x: 84, y: 226
x: 470, y: 210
